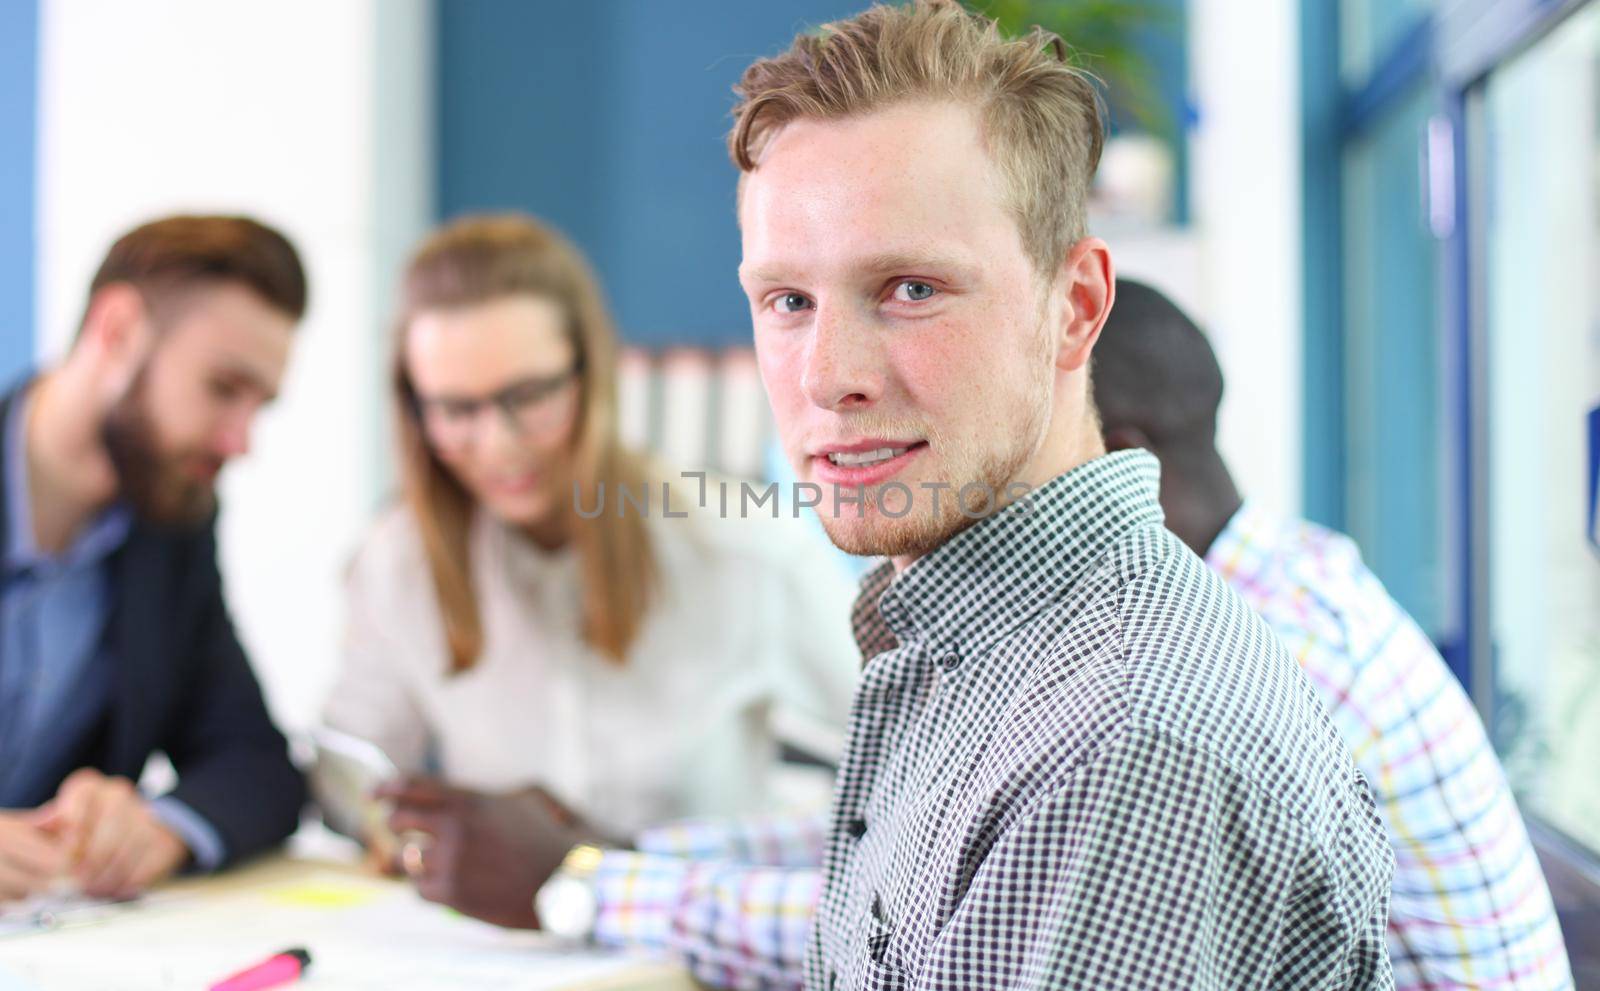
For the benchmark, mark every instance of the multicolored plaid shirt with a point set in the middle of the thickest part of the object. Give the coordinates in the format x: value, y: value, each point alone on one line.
x: 1470, y: 908
x: 733, y: 899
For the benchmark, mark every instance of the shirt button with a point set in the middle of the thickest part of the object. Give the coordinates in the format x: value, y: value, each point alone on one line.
x: 949, y: 661
x: 878, y: 947
x: 857, y: 828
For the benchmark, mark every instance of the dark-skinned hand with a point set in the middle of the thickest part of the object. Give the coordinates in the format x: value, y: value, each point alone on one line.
x: 488, y: 854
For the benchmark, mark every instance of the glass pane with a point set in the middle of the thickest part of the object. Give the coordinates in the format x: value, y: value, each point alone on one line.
x: 1368, y: 29
x: 1542, y: 239
x: 1392, y: 426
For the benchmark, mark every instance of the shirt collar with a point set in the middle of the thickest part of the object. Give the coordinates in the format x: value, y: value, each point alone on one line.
x: 997, y: 573
x: 104, y: 534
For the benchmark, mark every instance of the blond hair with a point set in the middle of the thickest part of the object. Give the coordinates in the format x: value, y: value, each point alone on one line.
x: 478, y: 260
x: 1039, y: 117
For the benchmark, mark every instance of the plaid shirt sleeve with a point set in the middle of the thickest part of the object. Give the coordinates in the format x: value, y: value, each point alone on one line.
x: 733, y: 899
x: 794, y: 840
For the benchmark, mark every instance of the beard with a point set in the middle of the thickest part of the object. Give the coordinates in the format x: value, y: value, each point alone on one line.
x: 150, y: 479
x: 977, y: 473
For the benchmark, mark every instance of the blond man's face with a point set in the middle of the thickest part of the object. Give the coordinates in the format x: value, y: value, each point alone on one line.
x: 901, y: 330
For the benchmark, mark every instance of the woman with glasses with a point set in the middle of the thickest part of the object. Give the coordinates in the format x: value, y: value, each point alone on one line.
x: 631, y: 666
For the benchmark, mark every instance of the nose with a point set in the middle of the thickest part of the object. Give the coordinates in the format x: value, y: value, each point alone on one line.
x: 498, y: 437
x: 842, y: 361
x: 234, y: 439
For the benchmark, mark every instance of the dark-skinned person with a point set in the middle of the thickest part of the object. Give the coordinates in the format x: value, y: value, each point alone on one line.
x: 1470, y: 906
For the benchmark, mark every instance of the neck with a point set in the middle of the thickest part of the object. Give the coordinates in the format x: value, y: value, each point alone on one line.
x: 70, y: 476
x: 1072, y: 439
x: 1059, y: 451
x: 550, y: 533
x: 1199, y: 499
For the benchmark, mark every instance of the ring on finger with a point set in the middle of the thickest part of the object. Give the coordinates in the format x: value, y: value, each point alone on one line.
x: 413, y: 852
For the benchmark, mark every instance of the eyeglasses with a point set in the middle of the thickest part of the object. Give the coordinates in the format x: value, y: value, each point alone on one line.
x: 529, y: 407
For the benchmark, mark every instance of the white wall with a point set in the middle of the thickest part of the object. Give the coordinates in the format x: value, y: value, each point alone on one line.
x: 1236, y: 269
x: 312, y: 116
x: 1245, y: 196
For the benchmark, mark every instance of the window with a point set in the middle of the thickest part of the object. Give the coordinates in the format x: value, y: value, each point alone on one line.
x: 1392, y: 430
x: 1370, y: 28
x: 1539, y: 115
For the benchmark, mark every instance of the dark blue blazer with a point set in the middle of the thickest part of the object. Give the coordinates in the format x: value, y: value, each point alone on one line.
x: 184, y: 688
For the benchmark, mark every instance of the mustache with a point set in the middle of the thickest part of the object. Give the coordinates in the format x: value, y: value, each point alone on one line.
x: 875, y: 424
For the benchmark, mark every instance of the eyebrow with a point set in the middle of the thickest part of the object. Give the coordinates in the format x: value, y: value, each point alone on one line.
x: 242, y: 371
x: 883, y: 263
x: 890, y: 262
x: 492, y: 395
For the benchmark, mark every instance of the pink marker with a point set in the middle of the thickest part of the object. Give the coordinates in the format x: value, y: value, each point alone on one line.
x: 278, y: 969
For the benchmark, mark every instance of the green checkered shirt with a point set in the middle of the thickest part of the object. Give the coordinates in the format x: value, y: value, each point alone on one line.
x: 1077, y: 760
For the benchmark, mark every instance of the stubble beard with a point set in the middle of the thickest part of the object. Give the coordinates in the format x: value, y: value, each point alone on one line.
x: 972, y: 493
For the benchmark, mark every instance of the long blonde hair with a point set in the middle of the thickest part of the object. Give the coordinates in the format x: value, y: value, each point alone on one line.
x: 478, y: 260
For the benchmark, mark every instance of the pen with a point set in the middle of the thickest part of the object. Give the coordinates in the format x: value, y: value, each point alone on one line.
x: 280, y: 968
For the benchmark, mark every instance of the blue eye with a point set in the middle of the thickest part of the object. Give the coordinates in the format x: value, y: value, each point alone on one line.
x: 912, y: 291
x: 790, y: 302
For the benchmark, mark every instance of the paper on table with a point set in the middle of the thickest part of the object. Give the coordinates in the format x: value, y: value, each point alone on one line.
x: 9, y: 981
x: 323, y: 895
x: 363, y: 934
x: 59, y: 910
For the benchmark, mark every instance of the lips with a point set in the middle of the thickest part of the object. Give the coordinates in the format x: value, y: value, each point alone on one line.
x: 870, y: 462
x: 513, y: 484
x: 865, y: 459
x: 204, y: 470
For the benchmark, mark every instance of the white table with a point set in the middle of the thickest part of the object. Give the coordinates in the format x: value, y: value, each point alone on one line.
x: 363, y: 932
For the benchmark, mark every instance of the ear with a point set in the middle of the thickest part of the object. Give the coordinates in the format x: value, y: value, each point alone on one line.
x: 117, y: 324
x: 1125, y: 438
x: 1089, y: 284
x: 117, y: 334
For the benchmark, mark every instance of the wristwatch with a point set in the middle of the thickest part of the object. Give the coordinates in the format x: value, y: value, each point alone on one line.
x: 567, y: 904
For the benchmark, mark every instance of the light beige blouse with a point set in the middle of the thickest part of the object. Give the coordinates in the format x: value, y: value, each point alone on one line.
x: 750, y: 632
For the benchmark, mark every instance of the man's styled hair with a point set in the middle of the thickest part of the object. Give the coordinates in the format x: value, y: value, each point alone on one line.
x: 169, y: 256
x: 1039, y: 117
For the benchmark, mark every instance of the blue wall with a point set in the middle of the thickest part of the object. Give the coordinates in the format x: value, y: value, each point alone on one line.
x: 607, y: 118
x: 19, y: 43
